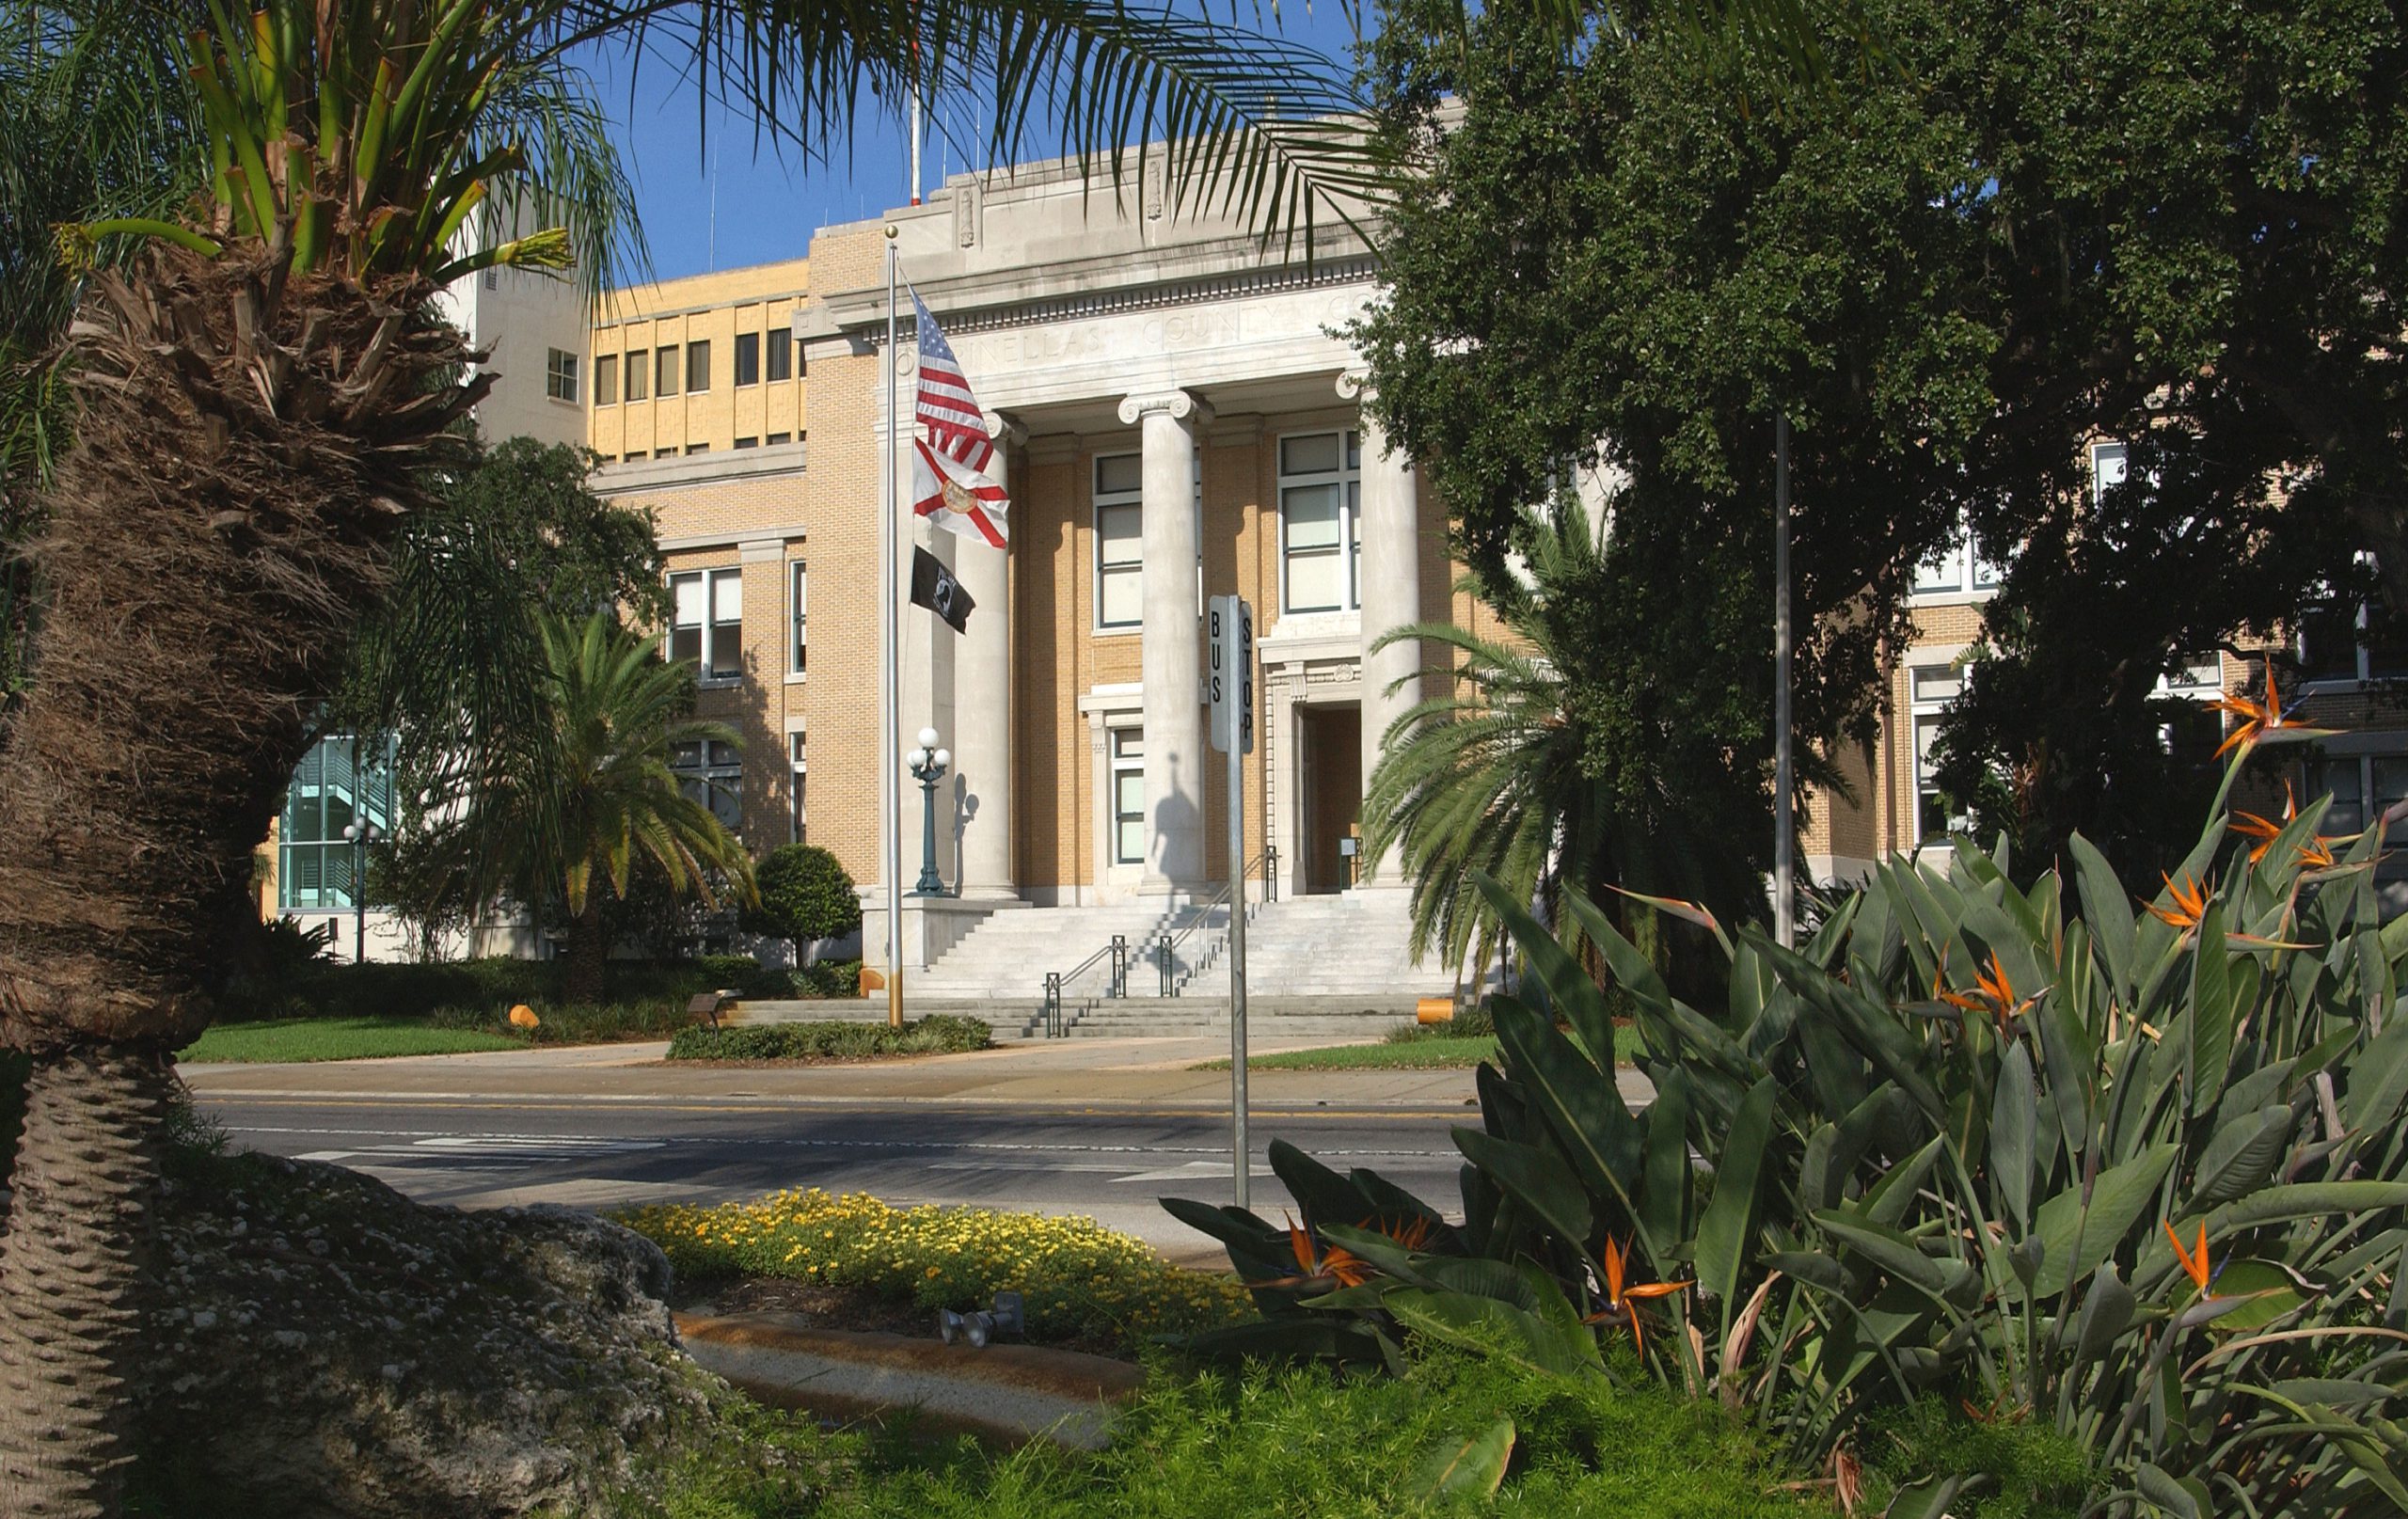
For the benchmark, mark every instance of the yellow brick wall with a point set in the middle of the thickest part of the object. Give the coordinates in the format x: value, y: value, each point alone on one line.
x: 715, y: 308
x: 840, y: 498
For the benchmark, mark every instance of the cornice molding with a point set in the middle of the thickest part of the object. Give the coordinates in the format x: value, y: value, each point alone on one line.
x: 864, y: 310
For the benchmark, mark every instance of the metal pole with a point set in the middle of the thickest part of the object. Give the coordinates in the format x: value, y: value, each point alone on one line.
x: 1241, y: 1171
x: 890, y: 748
x: 1785, y: 867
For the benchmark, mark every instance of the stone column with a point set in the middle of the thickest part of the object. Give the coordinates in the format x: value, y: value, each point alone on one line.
x: 1169, y: 651
x: 1390, y: 523
x: 982, y: 699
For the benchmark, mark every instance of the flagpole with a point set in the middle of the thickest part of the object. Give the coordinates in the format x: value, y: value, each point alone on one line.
x: 890, y: 701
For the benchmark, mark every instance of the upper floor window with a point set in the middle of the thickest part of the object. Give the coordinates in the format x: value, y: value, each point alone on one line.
x: 1321, y: 486
x: 639, y: 370
x: 1957, y: 569
x: 698, y: 365
x: 802, y: 601
x: 2345, y: 639
x: 606, y: 379
x: 781, y: 346
x: 706, y: 623
x: 711, y: 773
x: 664, y: 371
x: 747, y: 359
x: 1119, y: 538
x: 560, y: 375
x: 799, y: 773
x: 340, y: 784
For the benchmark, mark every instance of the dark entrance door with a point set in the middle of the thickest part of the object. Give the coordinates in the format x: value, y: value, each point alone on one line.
x: 1329, y: 779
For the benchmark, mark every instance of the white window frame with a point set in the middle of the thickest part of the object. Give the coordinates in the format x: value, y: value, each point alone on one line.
x: 1104, y: 501
x: 707, y: 647
x: 560, y: 375
x: 797, y: 617
x: 1348, y: 478
x: 1921, y: 709
x: 707, y: 771
x: 798, y: 769
x: 1118, y: 762
x: 1961, y: 573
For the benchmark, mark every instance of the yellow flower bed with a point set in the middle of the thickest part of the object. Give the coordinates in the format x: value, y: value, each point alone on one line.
x: 1080, y: 1279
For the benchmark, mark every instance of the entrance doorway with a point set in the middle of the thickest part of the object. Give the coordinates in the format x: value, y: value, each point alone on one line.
x: 1329, y: 780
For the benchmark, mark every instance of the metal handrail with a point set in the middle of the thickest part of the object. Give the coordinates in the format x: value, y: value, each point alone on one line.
x: 1115, y: 985
x: 1166, y: 950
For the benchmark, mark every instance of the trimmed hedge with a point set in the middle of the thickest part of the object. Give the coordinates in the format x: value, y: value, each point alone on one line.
x: 482, y: 986
x: 804, y: 1041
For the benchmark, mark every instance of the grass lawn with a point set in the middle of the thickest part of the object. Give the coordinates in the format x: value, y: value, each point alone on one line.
x: 278, y: 1040
x: 1412, y: 1054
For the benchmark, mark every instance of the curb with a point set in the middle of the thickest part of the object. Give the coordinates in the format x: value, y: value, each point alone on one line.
x: 1008, y: 1393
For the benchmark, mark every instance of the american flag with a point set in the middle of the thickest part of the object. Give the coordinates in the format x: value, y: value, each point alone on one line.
x: 950, y: 485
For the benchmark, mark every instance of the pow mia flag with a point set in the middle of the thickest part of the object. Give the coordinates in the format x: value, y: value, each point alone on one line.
x: 934, y: 587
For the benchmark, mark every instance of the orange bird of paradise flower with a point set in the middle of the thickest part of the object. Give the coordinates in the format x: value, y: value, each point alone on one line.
x: 1992, y: 993
x: 1319, y: 1268
x: 2257, y: 718
x: 2190, y: 903
x: 2314, y: 854
x: 2195, y: 1264
x: 1622, y: 1301
x: 1412, y: 1233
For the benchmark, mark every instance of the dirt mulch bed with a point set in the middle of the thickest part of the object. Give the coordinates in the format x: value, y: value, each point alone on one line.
x: 835, y: 1307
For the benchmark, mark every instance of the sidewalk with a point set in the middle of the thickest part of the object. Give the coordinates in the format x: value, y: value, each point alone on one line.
x: 1095, y: 1074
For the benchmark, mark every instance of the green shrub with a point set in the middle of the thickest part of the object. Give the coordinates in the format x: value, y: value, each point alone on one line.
x: 829, y: 978
x: 1079, y: 1280
x: 484, y: 989
x: 804, y: 1041
x: 1941, y: 1149
x: 805, y: 896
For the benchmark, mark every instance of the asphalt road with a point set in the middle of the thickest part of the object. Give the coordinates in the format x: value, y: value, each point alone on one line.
x: 1110, y: 1163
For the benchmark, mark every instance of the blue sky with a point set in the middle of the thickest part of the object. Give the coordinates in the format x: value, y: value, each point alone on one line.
x: 710, y: 199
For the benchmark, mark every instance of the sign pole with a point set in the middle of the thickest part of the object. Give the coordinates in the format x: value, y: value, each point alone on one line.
x: 1785, y: 835
x: 1230, y: 682
x: 890, y: 702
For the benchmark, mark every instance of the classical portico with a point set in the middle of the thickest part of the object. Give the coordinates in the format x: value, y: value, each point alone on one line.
x: 1178, y: 418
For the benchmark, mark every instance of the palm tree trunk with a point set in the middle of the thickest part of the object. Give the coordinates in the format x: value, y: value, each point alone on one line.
x: 87, y: 1176
x: 587, y: 951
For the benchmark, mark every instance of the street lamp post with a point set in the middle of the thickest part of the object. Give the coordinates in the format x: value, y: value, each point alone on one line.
x: 361, y: 835
x: 929, y: 764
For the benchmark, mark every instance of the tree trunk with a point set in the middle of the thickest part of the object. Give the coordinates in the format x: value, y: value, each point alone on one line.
x: 587, y: 951
x: 87, y: 1176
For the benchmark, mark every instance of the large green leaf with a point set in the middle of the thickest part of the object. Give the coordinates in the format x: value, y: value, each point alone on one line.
x: 2209, y: 1055
x: 2240, y: 1156
x: 1664, y: 1192
x: 1580, y: 1106
x: 1885, y: 1248
x: 1325, y: 1196
x: 1723, y: 1234
x: 2015, y: 1110
x: 2305, y: 1199
x: 1868, y: 1026
x: 2078, y: 1236
x: 2379, y: 1075
x: 1575, y: 997
x: 1494, y: 1328
x: 1538, y: 1178
x: 2105, y: 909
x: 1458, y: 1469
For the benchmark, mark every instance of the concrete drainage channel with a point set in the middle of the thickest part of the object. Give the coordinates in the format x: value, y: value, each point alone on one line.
x: 1009, y: 1393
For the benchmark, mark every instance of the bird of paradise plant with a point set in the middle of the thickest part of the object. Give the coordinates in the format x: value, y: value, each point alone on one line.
x: 1622, y: 1296
x: 2189, y: 903
x: 1319, y: 1265
x: 1992, y: 993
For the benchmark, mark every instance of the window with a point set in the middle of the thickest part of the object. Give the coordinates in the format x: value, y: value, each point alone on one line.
x: 560, y: 375
x: 780, y: 352
x: 776, y: 439
x: 2110, y: 464
x: 1120, y: 541
x: 340, y: 782
x: 800, y: 603
x: 712, y: 774
x: 1320, y: 493
x: 492, y: 278
x: 636, y: 368
x: 698, y: 366
x: 2343, y: 639
x: 2352, y: 779
x: 606, y: 379
x: 664, y: 453
x: 1128, y: 796
x: 747, y: 359
x: 664, y: 371
x: 706, y: 624
x: 797, y: 824
x: 1957, y: 569
x: 698, y: 448
x: 748, y: 442
x: 1929, y: 689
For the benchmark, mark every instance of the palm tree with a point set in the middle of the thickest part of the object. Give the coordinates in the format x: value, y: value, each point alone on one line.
x: 1496, y: 774
x: 595, y: 794
x: 264, y: 395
